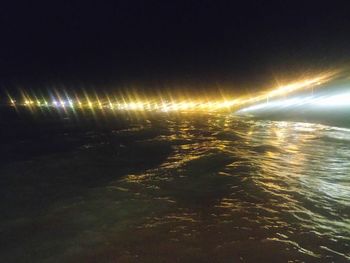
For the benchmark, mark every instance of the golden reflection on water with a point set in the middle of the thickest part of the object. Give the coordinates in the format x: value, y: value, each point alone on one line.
x: 271, y: 180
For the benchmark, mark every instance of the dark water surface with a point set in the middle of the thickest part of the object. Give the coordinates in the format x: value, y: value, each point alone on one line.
x: 173, y: 188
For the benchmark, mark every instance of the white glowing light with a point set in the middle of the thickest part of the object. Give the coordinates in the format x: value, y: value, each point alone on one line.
x: 339, y: 100
x: 70, y: 102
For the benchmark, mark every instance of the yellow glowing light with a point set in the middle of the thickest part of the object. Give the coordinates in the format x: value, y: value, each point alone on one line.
x: 165, y: 107
x: 28, y: 102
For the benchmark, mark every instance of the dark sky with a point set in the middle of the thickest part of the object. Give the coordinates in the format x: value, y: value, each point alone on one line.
x: 147, y: 42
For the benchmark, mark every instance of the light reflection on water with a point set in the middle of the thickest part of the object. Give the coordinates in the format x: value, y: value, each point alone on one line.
x: 281, y: 180
x: 230, y: 190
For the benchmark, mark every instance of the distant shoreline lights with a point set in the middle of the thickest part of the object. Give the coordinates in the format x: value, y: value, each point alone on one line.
x: 166, y: 105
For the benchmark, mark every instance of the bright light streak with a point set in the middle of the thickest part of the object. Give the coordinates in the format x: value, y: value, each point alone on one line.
x: 338, y: 100
x: 291, y: 88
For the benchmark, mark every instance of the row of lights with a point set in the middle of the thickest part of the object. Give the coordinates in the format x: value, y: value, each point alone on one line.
x: 134, y: 105
x: 183, y: 105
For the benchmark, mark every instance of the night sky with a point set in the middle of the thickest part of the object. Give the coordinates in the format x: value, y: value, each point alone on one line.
x: 160, y: 43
